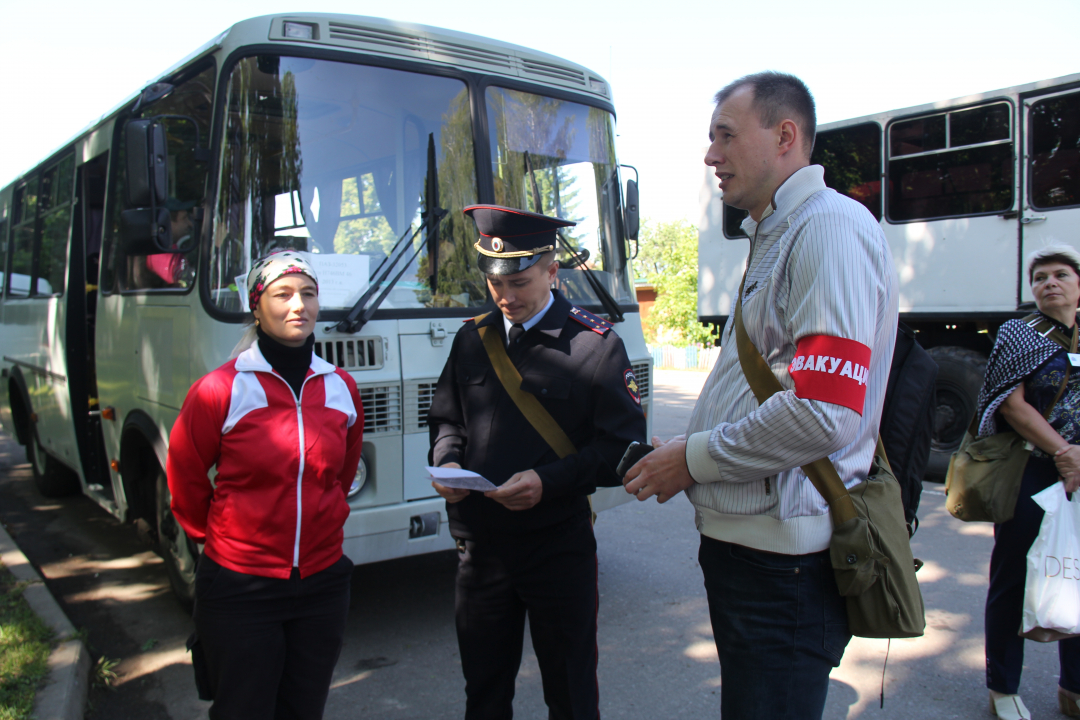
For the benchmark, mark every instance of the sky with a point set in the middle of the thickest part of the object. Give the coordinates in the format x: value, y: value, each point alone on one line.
x: 65, y: 64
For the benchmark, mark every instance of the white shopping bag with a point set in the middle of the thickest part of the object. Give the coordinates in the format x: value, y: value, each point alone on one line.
x: 1052, y: 591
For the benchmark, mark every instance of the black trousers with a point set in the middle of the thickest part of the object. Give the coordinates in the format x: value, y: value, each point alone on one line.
x: 1005, y: 596
x: 270, y: 644
x: 549, y: 575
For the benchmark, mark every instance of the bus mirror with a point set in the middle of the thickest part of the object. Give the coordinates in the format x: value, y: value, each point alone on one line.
x: 147, y: 163
x: 633, y: 219
x: 144, y: 232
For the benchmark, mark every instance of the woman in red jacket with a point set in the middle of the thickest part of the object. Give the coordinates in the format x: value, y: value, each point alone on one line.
x: 284, y: 429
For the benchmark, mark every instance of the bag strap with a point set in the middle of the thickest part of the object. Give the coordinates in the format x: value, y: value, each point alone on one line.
x: 1068, y: 370
x: 1046, y: 328
x: 526, y: 402
x: 822, y: 473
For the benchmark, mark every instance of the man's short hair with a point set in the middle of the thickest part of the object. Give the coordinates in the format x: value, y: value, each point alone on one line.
x: 779, y: 96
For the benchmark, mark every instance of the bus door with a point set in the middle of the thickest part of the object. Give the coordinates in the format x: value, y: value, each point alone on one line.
x: 1051, y: 181
x: 425, y: 345
x: 85, y: 252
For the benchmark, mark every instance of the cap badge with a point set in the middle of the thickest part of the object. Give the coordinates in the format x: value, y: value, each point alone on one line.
x: 497, y: 244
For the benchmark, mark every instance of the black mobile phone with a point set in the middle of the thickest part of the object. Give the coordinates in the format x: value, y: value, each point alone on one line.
x: 633, y: 453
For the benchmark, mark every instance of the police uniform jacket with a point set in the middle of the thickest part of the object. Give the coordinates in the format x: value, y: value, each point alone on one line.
x: 578, y: 369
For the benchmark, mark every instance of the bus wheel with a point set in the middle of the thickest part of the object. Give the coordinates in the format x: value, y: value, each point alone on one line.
x: 959, y: 379
x: 178, y: 552
x: 52, y: 478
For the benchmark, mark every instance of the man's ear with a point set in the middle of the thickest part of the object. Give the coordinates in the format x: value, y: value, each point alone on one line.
x: 789, y: 137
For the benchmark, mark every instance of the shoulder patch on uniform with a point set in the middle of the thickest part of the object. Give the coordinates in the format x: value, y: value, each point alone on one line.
x: 631, y: 385
x: 594, y: 322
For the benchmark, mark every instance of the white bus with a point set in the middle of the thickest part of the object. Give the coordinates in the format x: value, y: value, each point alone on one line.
x: 356, y: 140
x: 964, y: 189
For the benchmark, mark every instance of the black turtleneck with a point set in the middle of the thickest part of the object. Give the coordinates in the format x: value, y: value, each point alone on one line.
x: 291, y: 363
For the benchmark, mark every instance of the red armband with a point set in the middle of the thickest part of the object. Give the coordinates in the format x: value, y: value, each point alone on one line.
x: 831, y: 369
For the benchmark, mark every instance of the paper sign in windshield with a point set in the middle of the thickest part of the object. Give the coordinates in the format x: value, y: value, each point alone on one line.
x: 460, y: 479
x: 342, y: 278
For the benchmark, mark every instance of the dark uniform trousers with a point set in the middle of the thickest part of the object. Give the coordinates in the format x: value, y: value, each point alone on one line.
x: 270, y: 644
x: 550, y: 575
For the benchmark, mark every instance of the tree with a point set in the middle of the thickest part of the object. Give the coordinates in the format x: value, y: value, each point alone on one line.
x: 668, y: 260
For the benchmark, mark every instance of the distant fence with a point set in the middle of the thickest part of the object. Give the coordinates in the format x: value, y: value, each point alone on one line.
x: 684, y: 358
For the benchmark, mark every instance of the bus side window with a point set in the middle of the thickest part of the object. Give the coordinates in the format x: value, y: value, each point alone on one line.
x: 22, y: 238
x: 54, y: 212
x: 1055, y: 152
x: 186, y: 190
x: 951, y: 164
x: 733, y: 218
x: 851, y: 157
x: 3, y: 255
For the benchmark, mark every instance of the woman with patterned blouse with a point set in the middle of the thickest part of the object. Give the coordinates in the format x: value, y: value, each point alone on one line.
x: 1023, y: 377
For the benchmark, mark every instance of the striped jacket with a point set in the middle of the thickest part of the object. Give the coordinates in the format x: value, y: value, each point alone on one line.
x: 283, y: 465
x: 820, y: 266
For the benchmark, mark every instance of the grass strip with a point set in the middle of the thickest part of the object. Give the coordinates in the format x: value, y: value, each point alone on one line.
x: 25, y: 644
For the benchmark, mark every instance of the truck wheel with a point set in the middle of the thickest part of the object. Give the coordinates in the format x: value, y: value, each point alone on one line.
x: 52, y: 478
x: 959, y: 379
x: 178, y: 552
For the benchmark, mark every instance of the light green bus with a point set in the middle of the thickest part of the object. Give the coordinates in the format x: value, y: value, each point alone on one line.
x: 357, y: 140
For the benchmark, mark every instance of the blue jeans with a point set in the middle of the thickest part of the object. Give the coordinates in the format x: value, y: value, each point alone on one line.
x: 780, y: 627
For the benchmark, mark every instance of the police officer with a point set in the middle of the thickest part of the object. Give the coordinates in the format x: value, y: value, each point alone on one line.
x: 528, y: 545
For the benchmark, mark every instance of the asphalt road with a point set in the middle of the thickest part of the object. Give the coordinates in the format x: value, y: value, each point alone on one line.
x: 657, y: 658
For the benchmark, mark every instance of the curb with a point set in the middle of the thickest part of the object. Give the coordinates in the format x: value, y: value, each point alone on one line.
x: 63, y: 696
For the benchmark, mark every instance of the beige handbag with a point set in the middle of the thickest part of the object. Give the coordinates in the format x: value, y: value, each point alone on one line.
x: 984, y: 474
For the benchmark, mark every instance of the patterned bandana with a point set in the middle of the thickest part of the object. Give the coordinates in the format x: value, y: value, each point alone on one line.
x: 272, y: 267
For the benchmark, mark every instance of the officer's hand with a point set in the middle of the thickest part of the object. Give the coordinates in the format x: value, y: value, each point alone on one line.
x: 520, y: 492
x: 451, y: 495
x: 662, y: 472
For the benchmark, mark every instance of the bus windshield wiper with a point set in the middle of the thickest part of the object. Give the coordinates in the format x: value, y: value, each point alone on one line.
x: 610, y: 306
x: 431, y: 218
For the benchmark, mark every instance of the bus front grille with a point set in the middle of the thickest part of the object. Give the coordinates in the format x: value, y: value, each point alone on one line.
x: 352, y: 354
x: 418, y: 394
x: 404, y: 43
x: 382, y: 408
x: 644, y: 382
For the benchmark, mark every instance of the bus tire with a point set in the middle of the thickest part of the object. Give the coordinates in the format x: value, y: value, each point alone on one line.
x: 959, y: 379
x: 51, y: 477
x: 176, y: 549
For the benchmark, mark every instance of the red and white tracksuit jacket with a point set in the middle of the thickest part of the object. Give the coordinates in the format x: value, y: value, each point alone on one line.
x: 283, y: 465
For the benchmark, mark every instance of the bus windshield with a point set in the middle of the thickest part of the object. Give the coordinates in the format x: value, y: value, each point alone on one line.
x: 331, y: 159
x: 570, y: 150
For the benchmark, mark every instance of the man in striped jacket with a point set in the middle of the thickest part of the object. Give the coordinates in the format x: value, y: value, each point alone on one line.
x: 820, y: 303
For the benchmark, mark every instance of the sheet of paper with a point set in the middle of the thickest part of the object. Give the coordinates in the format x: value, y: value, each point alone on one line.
x: 342, y: 278
x: 461, y: 479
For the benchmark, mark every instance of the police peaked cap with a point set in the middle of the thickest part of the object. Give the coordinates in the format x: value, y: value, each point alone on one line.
x: 512, y: 240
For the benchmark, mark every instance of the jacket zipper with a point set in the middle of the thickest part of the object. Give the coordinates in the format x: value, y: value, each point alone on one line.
x: 300, y: 473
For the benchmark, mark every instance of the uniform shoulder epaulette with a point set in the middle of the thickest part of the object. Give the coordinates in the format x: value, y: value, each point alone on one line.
x: 478, y: 318
x: 594, y: 322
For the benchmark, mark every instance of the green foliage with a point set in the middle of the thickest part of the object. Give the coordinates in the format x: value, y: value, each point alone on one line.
x: 668, y: 261
x: 103, y: 674
x: 25, y: 643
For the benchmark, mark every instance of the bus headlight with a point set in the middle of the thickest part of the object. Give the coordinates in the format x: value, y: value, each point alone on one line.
x: 360, y: 479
